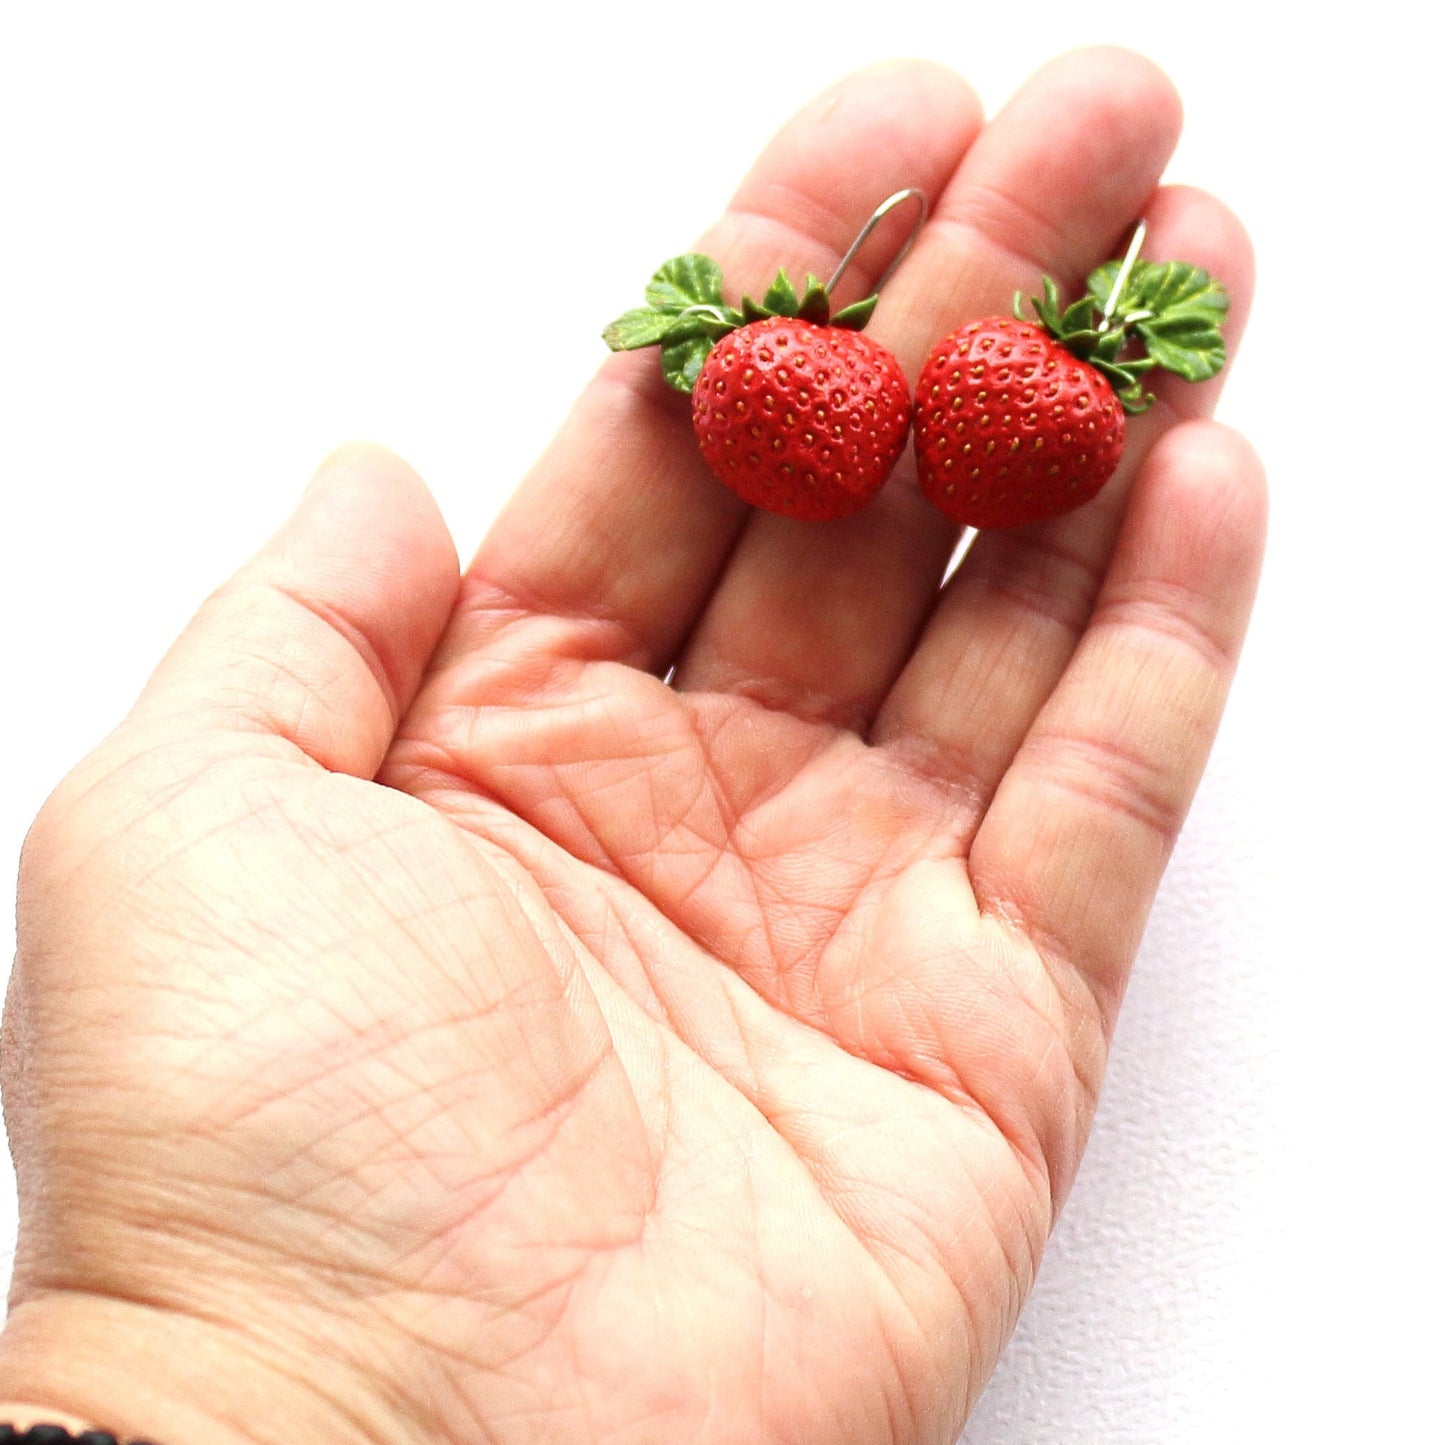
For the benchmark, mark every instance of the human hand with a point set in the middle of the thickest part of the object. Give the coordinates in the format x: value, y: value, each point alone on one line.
x: 431, y: 1024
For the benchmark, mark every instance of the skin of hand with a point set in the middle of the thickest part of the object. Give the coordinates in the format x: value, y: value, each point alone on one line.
x: 655, y: 986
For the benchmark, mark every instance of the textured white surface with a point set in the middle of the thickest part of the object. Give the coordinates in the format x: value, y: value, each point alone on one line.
x: 1157, y: 1290
x: 234, y: 237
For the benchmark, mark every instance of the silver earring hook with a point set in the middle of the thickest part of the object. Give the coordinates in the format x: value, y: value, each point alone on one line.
x: 1136, y: 244
x: 897, y: 199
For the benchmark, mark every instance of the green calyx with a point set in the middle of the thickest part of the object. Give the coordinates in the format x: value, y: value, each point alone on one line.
x: 1168, y: 314
x: 686, y: 316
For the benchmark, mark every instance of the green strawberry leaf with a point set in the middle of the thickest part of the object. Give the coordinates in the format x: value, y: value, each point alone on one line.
x: 856, y: 316
x: 1183, y: 334
x: 1046, y: 307
x: 1105, y: 346
x: 1135, y: 400
x: 635, y: 329
x: 684, y: 301
x: 780, y: 299
x: 1191, y: 347
x: 755, y: 310
x: 682, y: 361
x: 690, y: 280
x: 1137, y: 289
x: 711, y: 322
x: 1175, y: 309
x: 1101, y: 282
x: 1174, y: 288
x: 1122, y: 375
x: 1079, y: 317
x: 814, y: 304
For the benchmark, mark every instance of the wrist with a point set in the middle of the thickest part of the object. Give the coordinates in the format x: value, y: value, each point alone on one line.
x: 16, y: 1417
x: 142, y: 1374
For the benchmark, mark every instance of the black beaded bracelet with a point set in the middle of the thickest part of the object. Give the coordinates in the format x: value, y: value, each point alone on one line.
x: 57, y: 1435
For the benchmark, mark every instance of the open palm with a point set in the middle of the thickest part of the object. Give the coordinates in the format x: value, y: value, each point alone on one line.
x: 657, y: 989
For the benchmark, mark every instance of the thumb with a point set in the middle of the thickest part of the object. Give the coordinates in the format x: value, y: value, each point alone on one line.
x: 322, y: 637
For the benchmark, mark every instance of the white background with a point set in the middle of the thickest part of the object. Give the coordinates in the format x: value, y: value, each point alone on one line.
x: 233, y: 235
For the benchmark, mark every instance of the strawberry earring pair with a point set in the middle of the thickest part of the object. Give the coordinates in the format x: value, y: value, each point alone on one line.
x: 1014, y: 421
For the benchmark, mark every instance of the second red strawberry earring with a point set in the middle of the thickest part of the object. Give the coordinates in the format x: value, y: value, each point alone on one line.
x: 1018, y: 421
x: 794, y: 409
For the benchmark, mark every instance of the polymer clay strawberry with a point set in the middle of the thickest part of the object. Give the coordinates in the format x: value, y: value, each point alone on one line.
x: 794, y: 409
x: 1018, y: 421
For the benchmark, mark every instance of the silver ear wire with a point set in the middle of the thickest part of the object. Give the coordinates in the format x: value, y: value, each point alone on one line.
x: 897, y: 199
x: 1136, y: 245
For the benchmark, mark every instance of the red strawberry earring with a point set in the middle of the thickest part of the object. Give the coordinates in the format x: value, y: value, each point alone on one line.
x: 794, y: 409
x: 1018, y: 421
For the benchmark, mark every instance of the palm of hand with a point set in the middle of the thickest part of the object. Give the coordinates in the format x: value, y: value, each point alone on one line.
x: 769, y: 1150
x: 638, y: 1060
x: 653, y: 1048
